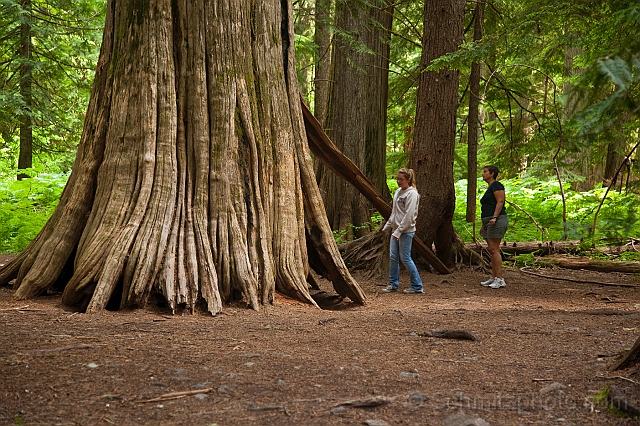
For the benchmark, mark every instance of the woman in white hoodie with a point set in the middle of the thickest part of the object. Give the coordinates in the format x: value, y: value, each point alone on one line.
x: 403, y: 225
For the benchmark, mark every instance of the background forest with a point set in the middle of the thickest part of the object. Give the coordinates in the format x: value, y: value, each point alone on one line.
x: 548, y: 91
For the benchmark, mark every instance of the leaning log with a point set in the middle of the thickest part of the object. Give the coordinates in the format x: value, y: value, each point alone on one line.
x: 325, y: 151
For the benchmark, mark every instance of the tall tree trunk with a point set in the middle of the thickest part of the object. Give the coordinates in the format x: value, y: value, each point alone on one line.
x: 377, y: 90
x: 26, y: 82
x: 584, y: 162
x: 615, y: 155
x: 304, y: 62
x: 346, y: 208
x: 474, y: 119
x: 322, y: 39
x: 356, y: 120
x: 435, y: 129
x: 322, y: 78
x: 192, y: 179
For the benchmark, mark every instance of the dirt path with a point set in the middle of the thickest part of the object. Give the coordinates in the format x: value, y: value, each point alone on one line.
x: 545, y: 347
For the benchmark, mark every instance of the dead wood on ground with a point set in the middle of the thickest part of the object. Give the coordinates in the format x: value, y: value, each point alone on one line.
x: 523, y: 269
x: 632, y: 357
x: 450, y: 334
x: 597, y: 265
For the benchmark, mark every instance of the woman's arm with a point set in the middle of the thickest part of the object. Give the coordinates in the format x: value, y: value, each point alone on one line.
x: 499, y: 204
x: 388, y: 226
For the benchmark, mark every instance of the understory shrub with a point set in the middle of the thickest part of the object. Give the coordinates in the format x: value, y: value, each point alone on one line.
x: 25, y: 207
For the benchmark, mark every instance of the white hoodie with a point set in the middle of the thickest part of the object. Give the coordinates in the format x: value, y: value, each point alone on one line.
x: 404, y: 213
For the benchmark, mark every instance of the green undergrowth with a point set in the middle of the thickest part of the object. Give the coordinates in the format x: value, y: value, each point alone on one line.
x: 618, y: 219
x: 25, y: 207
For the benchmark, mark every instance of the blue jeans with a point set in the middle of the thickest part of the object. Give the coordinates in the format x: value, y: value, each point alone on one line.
x: 401, y: 250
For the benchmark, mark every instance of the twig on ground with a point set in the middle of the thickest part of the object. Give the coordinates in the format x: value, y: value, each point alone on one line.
x: 577, y: 281
x: 618, y: 377
x: 367, y: 402
x: 590, y: 402
x: 15, y: 309
x: 268, y: 408
x: 176, y: 395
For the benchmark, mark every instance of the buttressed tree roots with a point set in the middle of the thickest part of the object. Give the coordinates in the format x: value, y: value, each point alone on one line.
x: 193, y: 180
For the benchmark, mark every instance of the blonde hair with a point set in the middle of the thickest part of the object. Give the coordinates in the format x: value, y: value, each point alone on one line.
x: 409, y: 174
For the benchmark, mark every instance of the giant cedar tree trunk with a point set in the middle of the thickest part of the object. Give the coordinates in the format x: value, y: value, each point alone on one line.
x: 435, y: 129
x: 192, y: 180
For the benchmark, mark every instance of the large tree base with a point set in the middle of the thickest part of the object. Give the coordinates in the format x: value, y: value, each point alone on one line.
x: 193, y: 180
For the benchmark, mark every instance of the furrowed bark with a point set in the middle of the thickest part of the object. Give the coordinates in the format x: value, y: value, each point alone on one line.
x: 192, y: 179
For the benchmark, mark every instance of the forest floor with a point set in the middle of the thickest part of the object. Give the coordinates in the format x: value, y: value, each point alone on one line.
x: 545, y: 349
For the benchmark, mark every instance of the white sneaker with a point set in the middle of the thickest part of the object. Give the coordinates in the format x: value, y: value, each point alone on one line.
x: 497, y: 283
x: 488, y: 282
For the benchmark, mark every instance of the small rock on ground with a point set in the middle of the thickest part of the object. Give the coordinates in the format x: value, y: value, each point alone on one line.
x: 417, y: 397
x: 553, y: 387
x: 375, y: 423
x: 338, y: 410
x: 462, y: 419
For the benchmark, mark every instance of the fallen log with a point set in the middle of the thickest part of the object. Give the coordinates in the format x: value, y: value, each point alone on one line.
x: 596, y: 265
x: 539, y: 248
x: 547, y: 248
x: 450, y: 334
x: 524, y: 270
x: 324, y: 150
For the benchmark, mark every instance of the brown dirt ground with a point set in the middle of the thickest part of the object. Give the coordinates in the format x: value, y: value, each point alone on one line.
x: 296, y: 365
